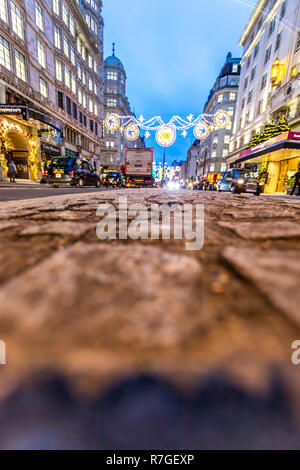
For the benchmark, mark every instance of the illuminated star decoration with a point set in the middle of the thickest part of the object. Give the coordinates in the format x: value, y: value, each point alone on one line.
x: 190, y: 117
x: 141, y: 118
x: 184, y: 134
x: 147, y: 134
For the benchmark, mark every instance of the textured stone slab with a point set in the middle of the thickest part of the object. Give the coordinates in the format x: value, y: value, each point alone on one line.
x: 7, y: 225
x: 62, y: 215
x: 104, y: 295
x: 263, y: 230
x: 260, y: 214
x: 58, y: 228
x: 274, y: 273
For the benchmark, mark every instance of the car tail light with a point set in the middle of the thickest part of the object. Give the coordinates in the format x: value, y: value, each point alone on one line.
x: 72, y: 174
x: 46, y: 173
x: 104, y: 181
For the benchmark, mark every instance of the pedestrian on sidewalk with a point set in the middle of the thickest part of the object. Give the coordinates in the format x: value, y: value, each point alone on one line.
x: 12, y: 171
x: 297, y: 183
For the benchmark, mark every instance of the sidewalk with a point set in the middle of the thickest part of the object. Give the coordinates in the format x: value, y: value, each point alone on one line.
x: 19, y: 182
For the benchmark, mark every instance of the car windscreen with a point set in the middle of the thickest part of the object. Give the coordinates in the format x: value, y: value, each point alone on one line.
x: 113, y: 175
x: 249, y: 174
x: 59, y: 162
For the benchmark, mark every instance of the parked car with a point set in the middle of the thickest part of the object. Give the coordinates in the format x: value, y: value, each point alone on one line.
x: 72, y: 171
x: 240, y: 181
x: 114, y: 179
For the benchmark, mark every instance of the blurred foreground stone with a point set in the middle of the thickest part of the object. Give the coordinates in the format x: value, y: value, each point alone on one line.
x: 142, y: 344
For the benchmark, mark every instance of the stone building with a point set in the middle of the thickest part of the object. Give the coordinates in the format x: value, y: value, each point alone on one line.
x: 193, y: 160
x: 51, y: 91
x: 269, y: 90
x: 116, y: 101
x: 208, y: 156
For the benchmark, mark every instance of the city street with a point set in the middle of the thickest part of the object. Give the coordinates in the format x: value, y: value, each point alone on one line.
x: 98, y: 314
x: 16, y: 193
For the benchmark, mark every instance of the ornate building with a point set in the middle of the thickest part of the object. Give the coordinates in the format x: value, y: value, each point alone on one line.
x: 207, y: 158
x: 269, y: 92
x: 116, y: 101
x: 51, y: 77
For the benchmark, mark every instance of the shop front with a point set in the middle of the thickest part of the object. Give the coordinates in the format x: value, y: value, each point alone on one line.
x: 277, y: 160
x: 28, y: 137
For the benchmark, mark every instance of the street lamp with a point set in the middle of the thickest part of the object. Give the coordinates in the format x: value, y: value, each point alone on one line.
x: 277, y: 73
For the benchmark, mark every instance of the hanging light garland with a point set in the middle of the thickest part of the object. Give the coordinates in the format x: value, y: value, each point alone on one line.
x: 166, y: 133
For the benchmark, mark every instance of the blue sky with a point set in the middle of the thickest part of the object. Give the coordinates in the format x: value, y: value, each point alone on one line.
x: 172, y: 51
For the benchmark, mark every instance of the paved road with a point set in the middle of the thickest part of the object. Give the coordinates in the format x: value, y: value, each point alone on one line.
x: 15, y: 193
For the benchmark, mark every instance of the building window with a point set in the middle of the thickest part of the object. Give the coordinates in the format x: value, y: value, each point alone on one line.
x: 256, y: 49
x: 41, y: 54
x: 246, y: 82
x: 112, y: 76
x: 264, y: 81
x: 278, y: 41
x: 56, y: 7
x: 73, y: 84
x: 260, y: 107
x: 226, y: 139
x: 225, y: 153
x: 68, y: 106
x: 230, y: 111
x: 283, y: 9
x: 3, y: 10
x: 235, y: 68
x: 294, y: 71
x: 5, y: 53
x: 268, y: 54
x: 232, y: 96
x: 43, y: 87
x: 20, y: 66
x: 60, y: 99
x: 39, y: 21
x: 67, y: 77
x: 243, y: 103
x: 216, y: 140
x: 58, y: 68
x: 272, y: 27
x: 66, y: 46
x: 65, y: 14
x: 220, y: 98
x: 212, y: 167
x: 111, y: 102
x: 214, y: 154
x: 57, y: 37
x: 249, y: 61
x: 17, y: 20
x: 250, y: 96
x: 298, y: 41
x: 253, y: 72
x: 74, y: 111
x: 72, y: 25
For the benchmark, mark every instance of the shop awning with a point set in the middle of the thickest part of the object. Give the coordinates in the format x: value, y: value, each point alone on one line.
x: 287, y: 143
x: 30, y: 112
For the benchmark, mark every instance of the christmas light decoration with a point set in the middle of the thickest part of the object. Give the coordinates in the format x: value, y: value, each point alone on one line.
x: 132, y: 132
x: 166, y: 132
x: 166, y: 136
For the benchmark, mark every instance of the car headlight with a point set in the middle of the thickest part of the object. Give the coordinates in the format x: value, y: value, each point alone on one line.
x: 240, y: 181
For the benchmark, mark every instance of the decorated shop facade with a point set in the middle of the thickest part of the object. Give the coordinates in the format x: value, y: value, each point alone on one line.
x: 30, y: 138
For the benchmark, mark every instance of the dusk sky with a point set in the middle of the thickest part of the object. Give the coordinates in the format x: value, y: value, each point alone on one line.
x: 173, y: 52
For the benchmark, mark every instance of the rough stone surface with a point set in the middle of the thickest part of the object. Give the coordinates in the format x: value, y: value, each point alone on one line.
x: 131, y: 332
x: 263, y: 230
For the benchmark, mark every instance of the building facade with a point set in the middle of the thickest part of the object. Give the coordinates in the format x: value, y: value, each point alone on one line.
x: 208, y: 156
x: 116, y: 101
x: 269, y: 92
x: 51, y: 82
